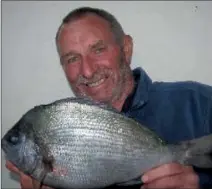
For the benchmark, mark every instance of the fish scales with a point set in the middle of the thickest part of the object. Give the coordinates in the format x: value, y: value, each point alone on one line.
x: 100, y: 142
x: 94, y: 137
x: 88, y: 145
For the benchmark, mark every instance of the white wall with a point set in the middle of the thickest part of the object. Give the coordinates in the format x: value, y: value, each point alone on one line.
x: 172, y: 41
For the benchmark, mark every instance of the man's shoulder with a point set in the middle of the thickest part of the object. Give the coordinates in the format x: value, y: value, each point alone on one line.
x: 182, y: 88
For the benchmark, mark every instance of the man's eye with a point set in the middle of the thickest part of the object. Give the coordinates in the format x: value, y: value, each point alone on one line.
x: 99, y: 50
x: 72, y: 59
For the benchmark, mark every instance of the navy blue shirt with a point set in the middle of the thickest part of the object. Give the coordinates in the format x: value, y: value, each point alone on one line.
x: 176, y: 111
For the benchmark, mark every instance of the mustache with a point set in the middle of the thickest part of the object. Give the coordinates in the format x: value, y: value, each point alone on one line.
x: 94, y: 78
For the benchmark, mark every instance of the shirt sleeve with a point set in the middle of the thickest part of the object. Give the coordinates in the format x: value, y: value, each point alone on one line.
x: 205, y: 175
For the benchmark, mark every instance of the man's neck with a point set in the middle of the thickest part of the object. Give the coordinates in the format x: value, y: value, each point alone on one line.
x: 118, y: 104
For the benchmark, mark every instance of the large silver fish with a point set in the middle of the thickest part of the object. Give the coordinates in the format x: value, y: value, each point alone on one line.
x: 76, y: 143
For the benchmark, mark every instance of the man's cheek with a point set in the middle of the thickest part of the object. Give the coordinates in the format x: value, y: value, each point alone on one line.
x: 72, y: 72
x: 78, y: 89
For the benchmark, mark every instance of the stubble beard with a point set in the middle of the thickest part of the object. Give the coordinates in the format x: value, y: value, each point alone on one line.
x: 122, y: 88
x: 118, y: 92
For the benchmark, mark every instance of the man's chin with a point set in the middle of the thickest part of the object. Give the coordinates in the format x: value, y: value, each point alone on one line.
x: 93, y: 97
x: 101, y: 99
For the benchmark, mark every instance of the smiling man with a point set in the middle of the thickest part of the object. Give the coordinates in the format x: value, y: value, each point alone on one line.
x: 93, y: 59
x: 95, y: 54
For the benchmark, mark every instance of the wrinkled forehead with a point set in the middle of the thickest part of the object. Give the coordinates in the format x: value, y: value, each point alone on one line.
x: 84, y: 32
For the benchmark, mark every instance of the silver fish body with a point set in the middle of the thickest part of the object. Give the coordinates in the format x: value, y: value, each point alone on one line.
x: 76, y: 143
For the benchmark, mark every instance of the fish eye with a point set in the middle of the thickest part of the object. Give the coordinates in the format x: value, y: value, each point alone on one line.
x: 14, y: 139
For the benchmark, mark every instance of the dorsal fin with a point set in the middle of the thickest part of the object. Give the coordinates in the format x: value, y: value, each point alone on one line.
x: 84, y: 100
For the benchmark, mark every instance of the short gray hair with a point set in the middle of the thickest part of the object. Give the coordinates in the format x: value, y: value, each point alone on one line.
x: 115, y: 26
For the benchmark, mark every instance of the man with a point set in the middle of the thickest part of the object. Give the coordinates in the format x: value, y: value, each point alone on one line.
x: 95, y: 54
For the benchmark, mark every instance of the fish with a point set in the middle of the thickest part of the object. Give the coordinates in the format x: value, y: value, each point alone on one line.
x: 79, y: 143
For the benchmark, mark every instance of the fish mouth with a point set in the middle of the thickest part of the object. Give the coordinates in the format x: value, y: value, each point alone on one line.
x: 5, y: 148
x: 4, y: 145
x: 9, y: 153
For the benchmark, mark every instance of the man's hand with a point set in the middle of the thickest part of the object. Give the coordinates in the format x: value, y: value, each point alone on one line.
x: 170, y: 176
x: 25, y: 181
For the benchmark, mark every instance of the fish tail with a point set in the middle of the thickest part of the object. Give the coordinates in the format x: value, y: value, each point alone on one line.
x: 197, y: 152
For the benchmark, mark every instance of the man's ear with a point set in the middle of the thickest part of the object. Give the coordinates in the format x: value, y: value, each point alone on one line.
x: 128, y: 48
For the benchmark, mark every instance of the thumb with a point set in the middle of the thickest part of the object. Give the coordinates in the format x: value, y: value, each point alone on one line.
x: 36, y: 184
x: 11, y: 167
x: 25, y: 181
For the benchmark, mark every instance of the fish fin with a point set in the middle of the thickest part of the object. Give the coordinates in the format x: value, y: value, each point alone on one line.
x: 47, y: 159
x: 48, y: 167
x: 88, y: 101
x: 198, y: 152
x: 84, y: 100
x: 48, y: 163
x: 131, y: 182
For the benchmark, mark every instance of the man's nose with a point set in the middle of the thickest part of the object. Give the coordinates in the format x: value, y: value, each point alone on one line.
x: 88, y: 67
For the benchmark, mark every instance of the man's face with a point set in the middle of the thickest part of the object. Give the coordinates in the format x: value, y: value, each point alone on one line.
x: 92, y: 60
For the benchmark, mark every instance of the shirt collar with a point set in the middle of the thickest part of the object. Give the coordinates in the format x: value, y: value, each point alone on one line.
x: 139, y: 96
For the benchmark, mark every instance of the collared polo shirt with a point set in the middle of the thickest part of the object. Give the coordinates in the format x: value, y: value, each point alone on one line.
x: 176, y: 111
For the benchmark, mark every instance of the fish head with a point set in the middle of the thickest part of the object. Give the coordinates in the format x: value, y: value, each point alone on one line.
x: 20, y: 148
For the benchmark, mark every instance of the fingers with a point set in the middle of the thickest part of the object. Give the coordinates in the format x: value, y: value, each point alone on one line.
x: 164, y: 171
x: 37, y: 185
x: 25, y: 181
x: 171, y: 175
x: 165, y: 182
x: 12, y: 167
x: 182, y: 180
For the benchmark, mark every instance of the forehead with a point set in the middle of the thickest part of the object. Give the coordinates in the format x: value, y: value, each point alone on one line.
x: 84, y: 31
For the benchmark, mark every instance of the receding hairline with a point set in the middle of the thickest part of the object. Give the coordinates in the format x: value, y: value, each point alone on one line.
x: 109, y: 18
x: 76, y: 18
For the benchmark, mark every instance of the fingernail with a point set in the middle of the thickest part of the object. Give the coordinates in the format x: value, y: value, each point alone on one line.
x: 145, y: 178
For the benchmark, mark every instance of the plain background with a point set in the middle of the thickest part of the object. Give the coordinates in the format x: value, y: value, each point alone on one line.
x: 172, y: 42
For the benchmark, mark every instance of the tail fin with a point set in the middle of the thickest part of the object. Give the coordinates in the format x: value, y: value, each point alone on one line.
x: 198, y: 152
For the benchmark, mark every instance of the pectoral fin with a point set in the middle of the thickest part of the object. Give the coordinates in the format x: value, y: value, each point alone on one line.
x: 131, y: 182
